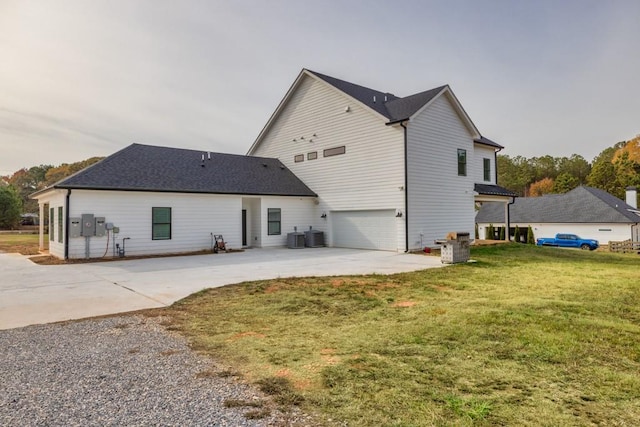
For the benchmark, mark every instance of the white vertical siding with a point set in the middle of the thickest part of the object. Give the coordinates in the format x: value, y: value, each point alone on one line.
x: 368, y: 176
x: 193, y: 218
x: 440, y: 201
x: 294, y: 212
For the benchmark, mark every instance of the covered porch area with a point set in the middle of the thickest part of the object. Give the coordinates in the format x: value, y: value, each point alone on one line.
x: 494, y: 193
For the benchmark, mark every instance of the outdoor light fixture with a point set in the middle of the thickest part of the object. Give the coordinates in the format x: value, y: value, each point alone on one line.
x: 324, y: 215
x: 398, y: 213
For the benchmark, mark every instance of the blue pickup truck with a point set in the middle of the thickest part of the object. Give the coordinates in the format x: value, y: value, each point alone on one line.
x: 568, y: 241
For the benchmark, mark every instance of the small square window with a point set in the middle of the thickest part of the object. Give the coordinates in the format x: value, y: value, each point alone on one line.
x: 312, y: 155
x: 462, y: 162
x: 298, y: 158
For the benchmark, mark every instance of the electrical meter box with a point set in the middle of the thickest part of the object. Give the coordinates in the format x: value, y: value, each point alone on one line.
x: 100, y: 226
x: 75, y: 229
x: 88, y: 226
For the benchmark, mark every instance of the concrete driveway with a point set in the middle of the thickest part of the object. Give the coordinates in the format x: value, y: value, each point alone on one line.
x: 31, y: 293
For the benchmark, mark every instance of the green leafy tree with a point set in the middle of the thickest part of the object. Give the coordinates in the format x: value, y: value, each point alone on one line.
x: 26, y: 182
x: 530, y: 237
x: 10, y: 207
x: 502, y: 233
x: 516, y: 234
x: 564, y: 183
x: 603, y: 174
x: 516, y: 173
x: 490, y: 232
x: 576, y: 166
x: 544, y: 167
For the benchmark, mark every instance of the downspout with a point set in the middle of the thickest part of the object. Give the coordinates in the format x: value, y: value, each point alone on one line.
x: 406, y: 190
x: 508, y: 219
x: 66, y: 227
x: 495, y: 162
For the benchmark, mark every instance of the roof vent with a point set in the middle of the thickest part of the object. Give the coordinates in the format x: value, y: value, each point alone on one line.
x: 209, y: 155
x: 264, y: 164
x: 374, y: 99
x: 202, y: 163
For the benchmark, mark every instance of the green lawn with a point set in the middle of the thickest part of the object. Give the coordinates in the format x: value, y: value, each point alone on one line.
x: 26, y: 244
x: 525, y: 336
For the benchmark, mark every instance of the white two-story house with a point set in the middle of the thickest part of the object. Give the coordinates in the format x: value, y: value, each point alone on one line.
x: 370, y: 169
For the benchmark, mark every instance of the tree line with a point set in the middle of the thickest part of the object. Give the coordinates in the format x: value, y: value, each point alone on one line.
x: 613, y: 170
x: 15, y: 189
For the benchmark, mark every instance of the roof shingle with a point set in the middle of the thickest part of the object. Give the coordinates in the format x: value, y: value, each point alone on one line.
x: 141, y: 167
x: 580, y: 205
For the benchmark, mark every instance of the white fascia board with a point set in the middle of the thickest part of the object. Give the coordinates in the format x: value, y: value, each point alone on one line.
x: 278, y: 109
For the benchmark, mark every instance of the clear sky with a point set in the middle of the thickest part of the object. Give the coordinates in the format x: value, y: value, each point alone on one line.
x: 83, y: 78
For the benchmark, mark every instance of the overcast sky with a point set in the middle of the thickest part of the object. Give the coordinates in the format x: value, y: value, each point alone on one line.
x: 83, y: 78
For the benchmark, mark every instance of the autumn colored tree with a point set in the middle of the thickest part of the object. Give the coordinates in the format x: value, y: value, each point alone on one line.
x: 542, y: 187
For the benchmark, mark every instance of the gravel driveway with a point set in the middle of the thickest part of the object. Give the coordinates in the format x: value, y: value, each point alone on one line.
x: 120, y: 371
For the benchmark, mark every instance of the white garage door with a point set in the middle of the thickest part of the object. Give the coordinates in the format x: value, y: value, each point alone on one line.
x: 375, y: 229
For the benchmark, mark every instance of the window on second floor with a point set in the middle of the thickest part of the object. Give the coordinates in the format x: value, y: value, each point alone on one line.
x: 462, y: 162
x: 486, y: 168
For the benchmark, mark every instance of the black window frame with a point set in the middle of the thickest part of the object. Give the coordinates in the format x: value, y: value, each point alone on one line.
x: 462, y: 162
x: 335, y: 151
x: 155, y: 223
x: 298, y: 158
x: 312, y: 155
x: 60, y: 216
x: 52, y: 237
x: 274, y: 222
x: 486, y: 169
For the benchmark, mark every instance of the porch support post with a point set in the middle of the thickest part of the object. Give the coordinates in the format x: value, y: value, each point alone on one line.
x: 41, y: 227
x: 506, y: 221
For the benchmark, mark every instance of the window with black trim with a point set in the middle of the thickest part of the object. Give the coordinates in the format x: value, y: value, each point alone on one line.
x: 298, y: 158
x: 462, y: 162
x: 51, y: 224
x: 161, y: 227
x: 486, y: 168
x: 312, y: 155
x: 60, y: 224
x: 274, y: 216
x: 334, y: 151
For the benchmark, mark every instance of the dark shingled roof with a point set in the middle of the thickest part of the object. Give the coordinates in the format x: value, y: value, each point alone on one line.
x: 149, y: 168
x: 390, y: 106
x: 487, y: 141
x: 493, y: 190
x: 580, y: 205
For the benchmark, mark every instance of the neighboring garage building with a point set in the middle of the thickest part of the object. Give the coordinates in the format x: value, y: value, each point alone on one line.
x: 588, y: 212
